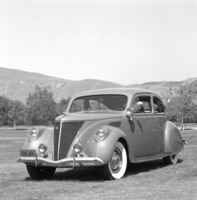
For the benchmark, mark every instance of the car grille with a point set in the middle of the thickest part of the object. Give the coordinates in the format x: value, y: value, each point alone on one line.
x: 63, y: 138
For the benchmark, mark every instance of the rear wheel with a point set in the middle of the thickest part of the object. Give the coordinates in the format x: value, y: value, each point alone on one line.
x: 117, y: 166
x: 172, y: 159
x: 39, y: 173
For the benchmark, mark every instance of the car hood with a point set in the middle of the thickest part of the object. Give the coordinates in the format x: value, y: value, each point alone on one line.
x: 89, y: 116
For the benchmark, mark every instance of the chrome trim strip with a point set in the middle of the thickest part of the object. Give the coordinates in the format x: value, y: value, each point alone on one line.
x: 60, y: 133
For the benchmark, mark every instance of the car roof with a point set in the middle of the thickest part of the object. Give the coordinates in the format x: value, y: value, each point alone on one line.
x: 121, y: 91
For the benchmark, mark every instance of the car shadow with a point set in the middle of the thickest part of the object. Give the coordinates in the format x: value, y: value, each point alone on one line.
x: 78, y: 174
x: 136, y: 168
x: 93, y: 174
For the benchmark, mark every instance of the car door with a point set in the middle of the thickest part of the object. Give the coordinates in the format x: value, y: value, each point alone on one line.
x: 145, y: 140
x: 159, y: 119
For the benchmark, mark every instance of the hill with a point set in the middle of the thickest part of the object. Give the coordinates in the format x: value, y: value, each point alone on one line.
x: 160, y: 87
x: 17, y: 84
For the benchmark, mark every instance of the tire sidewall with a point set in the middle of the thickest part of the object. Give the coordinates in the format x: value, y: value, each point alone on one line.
x: 122, y: 171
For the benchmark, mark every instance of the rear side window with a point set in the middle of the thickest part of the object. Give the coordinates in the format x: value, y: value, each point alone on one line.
x: 141, y: 104
x: 158, y: 105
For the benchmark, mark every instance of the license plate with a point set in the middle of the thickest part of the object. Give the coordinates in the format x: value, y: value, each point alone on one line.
x: 28, y: 153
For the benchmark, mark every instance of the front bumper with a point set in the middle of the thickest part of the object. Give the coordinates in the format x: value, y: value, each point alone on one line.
x: 63, y: 163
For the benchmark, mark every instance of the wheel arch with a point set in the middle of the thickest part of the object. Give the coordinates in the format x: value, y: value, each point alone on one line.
x: 125, y: 144
x: 122, y: 137
x: 116, y: 167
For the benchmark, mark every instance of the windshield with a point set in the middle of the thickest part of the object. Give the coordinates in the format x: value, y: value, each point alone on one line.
x: 99, y: 103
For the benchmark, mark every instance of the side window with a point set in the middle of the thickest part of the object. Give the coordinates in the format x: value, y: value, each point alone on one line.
x: 158, y: 105
x: 141, y: 104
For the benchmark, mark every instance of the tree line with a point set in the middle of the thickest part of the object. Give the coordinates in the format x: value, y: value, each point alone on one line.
x: 181, y: 103
x: 42, y: 109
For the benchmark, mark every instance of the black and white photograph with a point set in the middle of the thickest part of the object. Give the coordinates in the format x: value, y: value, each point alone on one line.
x: 98, y: 99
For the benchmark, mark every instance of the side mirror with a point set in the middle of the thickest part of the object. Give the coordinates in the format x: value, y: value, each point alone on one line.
x: 130, y: 111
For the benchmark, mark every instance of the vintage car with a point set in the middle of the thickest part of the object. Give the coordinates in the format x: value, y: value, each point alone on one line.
x: 105, y: 128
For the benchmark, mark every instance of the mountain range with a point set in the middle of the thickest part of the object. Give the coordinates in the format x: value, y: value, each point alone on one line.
x: 17, y: 84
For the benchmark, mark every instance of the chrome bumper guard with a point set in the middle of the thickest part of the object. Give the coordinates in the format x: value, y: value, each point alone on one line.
x: 63, y: 163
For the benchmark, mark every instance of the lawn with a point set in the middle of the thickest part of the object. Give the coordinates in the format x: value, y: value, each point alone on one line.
x: 152, y: 180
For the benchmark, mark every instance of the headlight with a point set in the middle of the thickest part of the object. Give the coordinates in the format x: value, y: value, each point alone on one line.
x: 33, y: 135
x: 42, y: 148
x: 101, y: 134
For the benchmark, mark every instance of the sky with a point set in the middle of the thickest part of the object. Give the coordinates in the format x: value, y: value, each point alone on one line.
x: 121, y: 41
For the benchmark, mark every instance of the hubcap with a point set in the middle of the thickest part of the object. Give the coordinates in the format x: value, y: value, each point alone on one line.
x: 116, y: 161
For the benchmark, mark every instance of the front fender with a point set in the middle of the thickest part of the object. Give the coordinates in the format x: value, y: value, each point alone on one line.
x: 173, y: 142
x: 45, y: 137
x: 105, y: 148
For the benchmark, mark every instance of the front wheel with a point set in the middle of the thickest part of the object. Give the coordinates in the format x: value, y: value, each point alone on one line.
x: 172, y: 159
x: 39, y: 173
x: 117, y: 166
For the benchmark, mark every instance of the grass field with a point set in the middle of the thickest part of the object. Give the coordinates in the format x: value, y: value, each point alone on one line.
x: 152, y: 180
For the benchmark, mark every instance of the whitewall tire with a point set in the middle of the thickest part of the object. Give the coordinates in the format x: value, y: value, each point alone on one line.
x: 116, y: 167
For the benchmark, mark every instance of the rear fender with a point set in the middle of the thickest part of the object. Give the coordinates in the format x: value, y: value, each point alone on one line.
x: 173, y: 142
